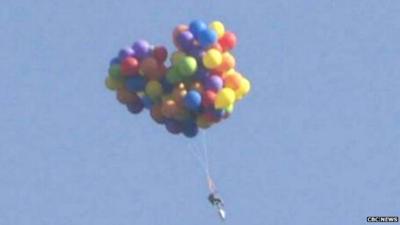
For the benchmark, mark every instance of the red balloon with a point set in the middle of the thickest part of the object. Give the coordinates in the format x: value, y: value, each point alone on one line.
x: 228, y: 41
x: 129, y: 66
x: 208, y: 98
x: 160, y: 53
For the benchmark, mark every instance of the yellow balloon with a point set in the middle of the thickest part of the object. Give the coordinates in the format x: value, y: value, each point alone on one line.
x: 153, y: 89
x: 212, y: 59
x: 225, y: 97
x: 230, y: 108
x: 218, y: 27
x: 176, y: 57
x: 244, y: 88
x: 113, y: 84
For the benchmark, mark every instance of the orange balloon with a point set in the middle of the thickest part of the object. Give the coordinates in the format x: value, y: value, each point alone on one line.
x: 149, y: 67
x: 233, y: 81
x: 126, y: 97
x: 169, y: 108
x: 228, y: 62
x: 156, y: 113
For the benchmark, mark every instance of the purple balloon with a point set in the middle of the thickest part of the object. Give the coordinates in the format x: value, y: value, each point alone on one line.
x: 196, y: 52
x: 213, y: 83
x: 135, y: 107
x: 201, y: 74
x: 142, y: 48
x: 173, y: 126
x: 185, y: 40
x: 125, y: 52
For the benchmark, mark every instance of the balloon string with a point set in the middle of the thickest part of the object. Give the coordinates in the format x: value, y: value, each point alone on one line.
x: 197, y: 156
x: 205, y: 150
x: 200, y: 152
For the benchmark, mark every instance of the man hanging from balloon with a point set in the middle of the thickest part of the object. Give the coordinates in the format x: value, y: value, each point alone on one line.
x: 199, y: 89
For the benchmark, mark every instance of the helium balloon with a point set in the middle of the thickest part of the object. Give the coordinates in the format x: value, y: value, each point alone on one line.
x: 213, y: 83
x: 218, y: 27
x: 149, y: 66
x: 166, y: 86
x: 176, y: 57
x: 230, y: 108
x: 208, y: 98
x: 228, y: 41
x: 129, y: 66
x: 207, y: 37
x: 153, y: 89
x: 185, y: 40
x: 115, y: 71
x: 233, y: 81
x: 173, y: 76
x: 160, y: 53
x: 190, y: 129
x: 126, y: 97
x: 173, y: 126
x: 187, y: 66
x: 113, y: 84
x: 179, y: 29
x: 244, y: 88
x: 225, y: 97
x: 141, y: 48
x: 135, y: 84
x: 115, y: 60
x: 126, y: 52
x: 169, y: 108
x: 196, y: 26
x: 228, y: 62
x: 135, y: 107
x: 147, y: 102
x: 156, y: 113
x: 193, y: 100
x: 201, y: 73
x: 212, y: 59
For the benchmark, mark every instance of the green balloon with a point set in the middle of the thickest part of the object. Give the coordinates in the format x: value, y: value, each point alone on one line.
x: 115, y: 71
x: 187, y: 66
x: 173, y: 76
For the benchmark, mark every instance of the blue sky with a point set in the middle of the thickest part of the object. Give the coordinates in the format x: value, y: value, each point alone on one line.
x: 316, y: 142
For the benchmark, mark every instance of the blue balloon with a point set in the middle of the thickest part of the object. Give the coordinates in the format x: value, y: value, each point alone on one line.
x: 193, y: 100
x: 147, y: 102
x: 135, y: 84
x: 196, y: 26
x: 207, y: 37
x: 166, y: 86
x: 136, y: 107
x: 115, y: 61
x: 190, y: 129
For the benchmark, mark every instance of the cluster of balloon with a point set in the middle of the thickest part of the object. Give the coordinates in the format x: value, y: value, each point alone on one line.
x: 199, y: 88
